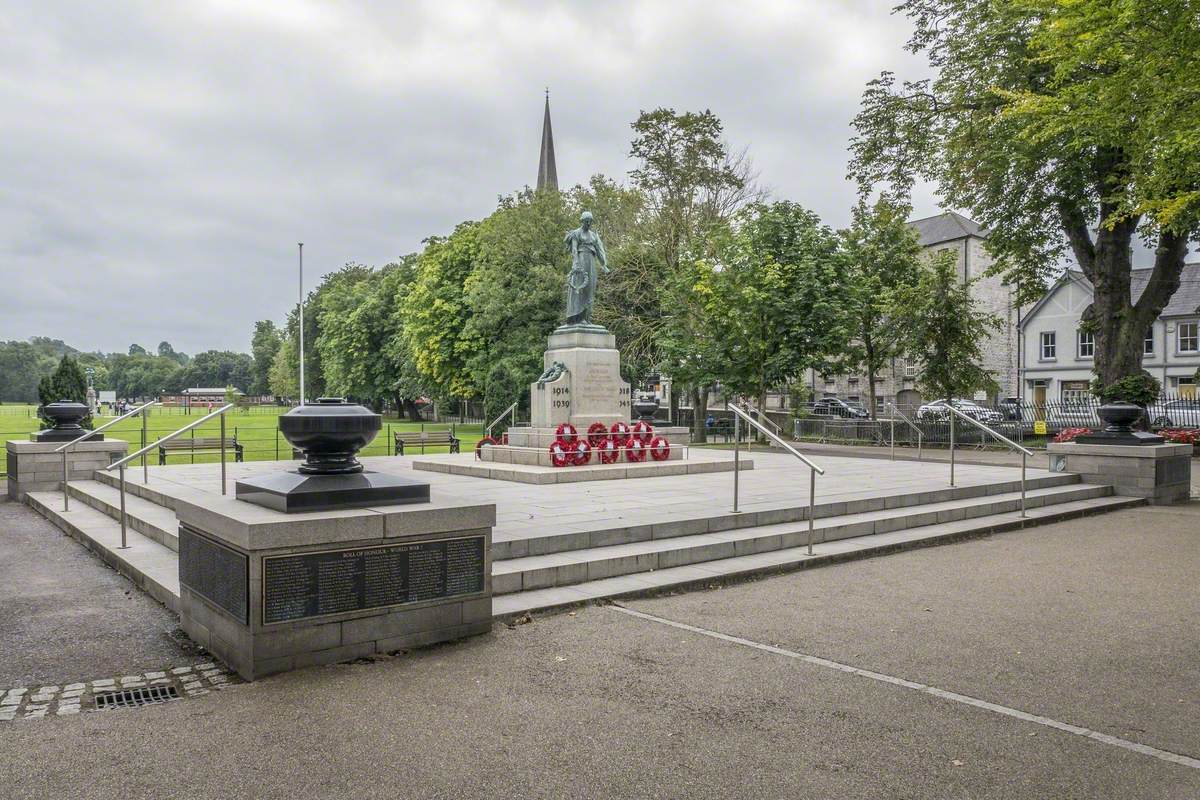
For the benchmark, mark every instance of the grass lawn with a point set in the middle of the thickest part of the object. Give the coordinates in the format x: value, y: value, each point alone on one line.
x: 256, y: 428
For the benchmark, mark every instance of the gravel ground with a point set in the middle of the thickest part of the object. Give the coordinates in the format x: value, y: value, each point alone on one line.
x: 1088, y: 621
x: 66, y: 617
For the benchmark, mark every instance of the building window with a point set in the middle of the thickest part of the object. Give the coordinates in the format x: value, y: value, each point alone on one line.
x: 910, y: 370
x: 1049, y: 346
x: 1148, y: 345
x: 1189, y: 337
x: 1075, y: 392
x: 1086, y: 344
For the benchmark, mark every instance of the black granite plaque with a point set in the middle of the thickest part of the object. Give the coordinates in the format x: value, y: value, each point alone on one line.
x: 333, y: 581
x: 215, y: 572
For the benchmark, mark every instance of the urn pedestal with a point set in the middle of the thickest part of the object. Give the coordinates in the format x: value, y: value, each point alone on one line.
x: 66, y: 416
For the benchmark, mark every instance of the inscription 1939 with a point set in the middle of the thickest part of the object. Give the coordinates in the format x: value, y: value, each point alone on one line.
x: 334, y: 581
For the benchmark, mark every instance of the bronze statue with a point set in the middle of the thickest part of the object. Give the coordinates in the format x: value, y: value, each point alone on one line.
x: 587, y: 252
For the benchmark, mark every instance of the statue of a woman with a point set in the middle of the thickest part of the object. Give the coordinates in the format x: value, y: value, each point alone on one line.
x: 587, y: 252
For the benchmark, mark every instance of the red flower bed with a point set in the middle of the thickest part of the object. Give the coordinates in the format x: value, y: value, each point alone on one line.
x: 1182, y: 435
x: 1069, y: 434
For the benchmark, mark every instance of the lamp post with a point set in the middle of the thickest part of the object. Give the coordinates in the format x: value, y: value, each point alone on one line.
x: 301, y: 247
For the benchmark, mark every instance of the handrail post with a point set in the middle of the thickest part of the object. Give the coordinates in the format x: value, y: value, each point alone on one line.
x: 145, y: 468
x: 222, y: 454
x: 952, y: 415
x: 1022, y: 484
x: 124, y: 523
x: 736, y: 458
x: 893, y: 434
x: 812, y: 505
x: 66, y: 502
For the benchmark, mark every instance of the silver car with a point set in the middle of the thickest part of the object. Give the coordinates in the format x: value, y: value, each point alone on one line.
x: 1182, y: 413
x: 936, y: 411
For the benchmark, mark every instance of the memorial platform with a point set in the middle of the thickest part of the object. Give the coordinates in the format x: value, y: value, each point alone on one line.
x: 567, y: 542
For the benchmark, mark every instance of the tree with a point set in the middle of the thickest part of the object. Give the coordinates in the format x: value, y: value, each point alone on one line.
x: 217, y: 368
x: 263, y: 347
x: 66, y: 383
x: 1031, y: 124
x: 435, y: 312
x: 22, y: 366
x: 692, y: 186
x: 284, y: 380
x: 137, y: 350
x: 779, y: 299
x: 941, y: 330
x: 882, y: 256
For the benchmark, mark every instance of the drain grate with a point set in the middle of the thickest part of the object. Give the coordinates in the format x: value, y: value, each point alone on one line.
x: 128, y: 698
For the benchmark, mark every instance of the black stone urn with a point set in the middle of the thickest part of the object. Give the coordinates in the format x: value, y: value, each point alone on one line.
x: 67, y: 416
x: 330, y: 432
x: 645, y: 405
x: 1119, y: 417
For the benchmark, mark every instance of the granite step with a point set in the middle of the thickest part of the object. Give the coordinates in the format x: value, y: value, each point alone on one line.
x: 144, y: 516
x: 579, y: 566
x: 146, y: 492
x: 151, y: 565
x: 710, y: 574
x: 581, y: 536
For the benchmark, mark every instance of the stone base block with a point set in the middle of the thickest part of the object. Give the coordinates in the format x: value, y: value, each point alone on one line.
x: 540, y: 456
x: 292, y: 492
x: 35, y: 467
x: 1162, y: 473
x: 264, y: 607
x: 697, y: 462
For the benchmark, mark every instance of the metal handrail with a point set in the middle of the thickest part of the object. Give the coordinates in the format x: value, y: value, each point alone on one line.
x: 738, y: 415
x: 513, y: 408
x: 762, y: 417
x: 64, y: 448
x: 920, y: 434
x: 220, y: 412
x: 1025, y: 452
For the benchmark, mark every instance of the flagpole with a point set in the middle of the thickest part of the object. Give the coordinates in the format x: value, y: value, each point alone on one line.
x: 301, y: 245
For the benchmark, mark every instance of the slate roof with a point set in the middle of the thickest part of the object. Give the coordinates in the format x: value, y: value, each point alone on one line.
x: 1184, y: 302
x: 946, y: 227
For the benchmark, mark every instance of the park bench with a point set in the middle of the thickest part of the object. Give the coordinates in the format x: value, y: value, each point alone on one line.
x: 425, y: 438
x: 201, y: 444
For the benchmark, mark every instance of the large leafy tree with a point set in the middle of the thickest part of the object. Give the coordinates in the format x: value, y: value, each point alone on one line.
x: 215, y: 369
x: 780, y: 297
x: 1064, y: 126
x: 263, y: 347
x: 942, y: 329
x: 435, y: 313
x: 882, y: 256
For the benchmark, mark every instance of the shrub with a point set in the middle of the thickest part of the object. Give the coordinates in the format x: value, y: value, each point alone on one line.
x: 1182, y: 435
x: 1141, y: 389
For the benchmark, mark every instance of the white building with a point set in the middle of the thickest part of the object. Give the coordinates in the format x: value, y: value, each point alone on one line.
x: 1057, y: 356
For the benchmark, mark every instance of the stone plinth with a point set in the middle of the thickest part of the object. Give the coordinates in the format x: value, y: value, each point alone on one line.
x: 1160, y: 473
x: 590, y: 389
x: 269, y: 592
x: 698, y: 462
x: 35, y: 467
x: 542, y: 438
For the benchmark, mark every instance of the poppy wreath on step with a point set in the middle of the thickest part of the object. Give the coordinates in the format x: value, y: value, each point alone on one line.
x: 479, y: 446
x: 660, y: 449
x: 582, y: 454
x: 608, y: 451
x: 562, y: 453
x: 566, y: 433
x: 597, y: 432
x: 643, y: 432
x: 635, y: 451
x: 620, y: 433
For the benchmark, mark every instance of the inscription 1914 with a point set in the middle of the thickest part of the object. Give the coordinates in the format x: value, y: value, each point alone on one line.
x: 334, y: 581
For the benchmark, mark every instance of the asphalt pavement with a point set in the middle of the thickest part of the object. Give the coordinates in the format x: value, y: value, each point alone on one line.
x: 1089, y: 622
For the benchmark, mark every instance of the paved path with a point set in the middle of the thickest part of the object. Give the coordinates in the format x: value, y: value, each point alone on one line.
x: 1089, y: 622
x: 66, y: 617
x: 523, y: 510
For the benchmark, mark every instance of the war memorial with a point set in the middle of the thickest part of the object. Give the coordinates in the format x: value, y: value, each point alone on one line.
x: 340, y: 558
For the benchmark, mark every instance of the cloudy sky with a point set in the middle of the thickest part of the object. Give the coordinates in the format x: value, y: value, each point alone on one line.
x: 161, y: 160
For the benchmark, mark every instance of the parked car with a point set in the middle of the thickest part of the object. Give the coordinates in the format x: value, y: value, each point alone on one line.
x: 1010, y: 409
x: 836, y: 407
x: 1182, y: 413
x: 1068, y: 414
x: 936, y: 411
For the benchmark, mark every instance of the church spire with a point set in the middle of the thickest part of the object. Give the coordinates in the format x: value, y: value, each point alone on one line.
x: 547, y: 172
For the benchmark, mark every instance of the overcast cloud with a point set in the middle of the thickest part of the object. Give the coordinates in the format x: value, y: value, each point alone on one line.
x: 161, y: 160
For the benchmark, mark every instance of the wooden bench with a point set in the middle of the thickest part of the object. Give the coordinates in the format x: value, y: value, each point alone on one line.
x: 201, y: 444
x: 424, y: 438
